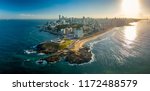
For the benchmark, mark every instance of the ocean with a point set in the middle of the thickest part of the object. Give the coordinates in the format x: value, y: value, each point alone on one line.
x: 122, y: 50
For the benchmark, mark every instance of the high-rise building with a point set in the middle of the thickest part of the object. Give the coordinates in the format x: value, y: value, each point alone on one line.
x: 83, y: 20
x: 59, y: 17
x: 78, y: 33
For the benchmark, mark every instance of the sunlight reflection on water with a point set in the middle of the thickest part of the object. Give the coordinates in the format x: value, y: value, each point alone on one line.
x: 130, y: 34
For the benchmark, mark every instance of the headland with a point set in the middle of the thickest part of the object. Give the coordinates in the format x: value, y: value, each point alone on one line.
x: 73, y: 34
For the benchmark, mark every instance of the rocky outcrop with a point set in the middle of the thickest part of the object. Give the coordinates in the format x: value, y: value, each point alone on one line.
x: 48, y: 47
x: 52, y: 59
x: 82, y: 56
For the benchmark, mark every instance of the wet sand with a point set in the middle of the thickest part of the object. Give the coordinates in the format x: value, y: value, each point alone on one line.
x: 81, y: 42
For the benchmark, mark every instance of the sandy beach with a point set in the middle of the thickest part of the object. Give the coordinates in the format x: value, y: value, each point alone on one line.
x: 80, y: 43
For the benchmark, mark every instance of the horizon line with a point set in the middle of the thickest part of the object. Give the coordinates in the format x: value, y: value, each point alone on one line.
x: 68, y: 17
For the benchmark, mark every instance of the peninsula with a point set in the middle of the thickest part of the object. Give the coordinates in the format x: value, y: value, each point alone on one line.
x: 73, y: 34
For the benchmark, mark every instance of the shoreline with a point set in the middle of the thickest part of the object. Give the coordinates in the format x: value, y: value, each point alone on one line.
x: 74, y: 52
x: 81, y: 42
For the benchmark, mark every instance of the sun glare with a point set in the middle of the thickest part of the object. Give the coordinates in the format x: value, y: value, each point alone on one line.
x: 131, y: 8
x: 130, y: 33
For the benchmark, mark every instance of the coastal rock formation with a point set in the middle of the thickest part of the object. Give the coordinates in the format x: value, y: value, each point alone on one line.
x: 84, y: 55
x: 52, y: 59
x: 48, y: 47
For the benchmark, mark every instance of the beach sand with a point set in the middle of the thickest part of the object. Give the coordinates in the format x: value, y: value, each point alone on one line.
x: 81, y: 42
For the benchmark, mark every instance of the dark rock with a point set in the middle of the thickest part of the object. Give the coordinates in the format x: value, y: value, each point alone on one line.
x: 52, y: 59
x: 82, y: 56
x: 48, y: 47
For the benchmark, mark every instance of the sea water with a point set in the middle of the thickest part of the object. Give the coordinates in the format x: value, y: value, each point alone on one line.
x: 120, y: 50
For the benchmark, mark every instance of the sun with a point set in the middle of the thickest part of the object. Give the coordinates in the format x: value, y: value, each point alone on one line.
x: 131, y: 8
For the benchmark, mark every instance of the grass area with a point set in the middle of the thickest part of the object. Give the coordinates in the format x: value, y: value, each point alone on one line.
x: 59, y: 27
x: 51, y: 45
x: 65, y: 43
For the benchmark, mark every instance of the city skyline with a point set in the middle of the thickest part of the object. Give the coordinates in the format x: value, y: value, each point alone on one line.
x: 50, y: 9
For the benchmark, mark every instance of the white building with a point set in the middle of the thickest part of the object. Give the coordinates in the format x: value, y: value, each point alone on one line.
x: 66, y: 31
x: 63, y: 31
x: 78, y: 33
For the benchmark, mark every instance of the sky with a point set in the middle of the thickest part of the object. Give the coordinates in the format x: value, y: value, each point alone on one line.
x: 49, y: 9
